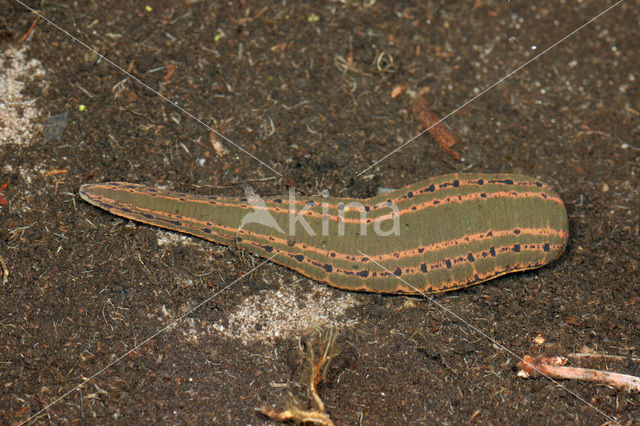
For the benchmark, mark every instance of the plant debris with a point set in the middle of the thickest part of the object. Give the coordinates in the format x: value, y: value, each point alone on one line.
x: 430, y: 121
x: 318, y: 347
x: 553, y: 368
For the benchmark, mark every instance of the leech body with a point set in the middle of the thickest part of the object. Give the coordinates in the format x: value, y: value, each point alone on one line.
x: 454, y: 230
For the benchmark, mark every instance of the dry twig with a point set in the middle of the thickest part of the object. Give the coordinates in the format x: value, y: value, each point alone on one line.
x: 423, y: 111
x: 30, y: 30
x: 552, y: 367
x: 593, y: 355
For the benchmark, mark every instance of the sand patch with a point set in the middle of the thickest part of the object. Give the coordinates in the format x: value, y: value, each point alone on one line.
x: 18, y: 115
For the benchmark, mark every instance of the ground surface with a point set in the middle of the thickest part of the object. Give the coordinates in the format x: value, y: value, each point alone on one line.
x: 306, y: 87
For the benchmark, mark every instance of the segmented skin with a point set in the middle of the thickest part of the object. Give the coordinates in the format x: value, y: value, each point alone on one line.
x: 454, y: 230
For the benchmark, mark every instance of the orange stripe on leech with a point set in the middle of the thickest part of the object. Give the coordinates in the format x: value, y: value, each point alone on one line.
x: 496, y: 179
x: 227, y: 202
x: 417, y: 270
x: 332, y: 255
x: 228, y: 232
x: 460, y: 199
x: 158, y: 218
x: 233, y: 201
x: 411, y: 209
x: 442, y: 245
x: 468, y: 239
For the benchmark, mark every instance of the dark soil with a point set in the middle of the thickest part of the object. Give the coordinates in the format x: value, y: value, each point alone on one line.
x: 85, y: 287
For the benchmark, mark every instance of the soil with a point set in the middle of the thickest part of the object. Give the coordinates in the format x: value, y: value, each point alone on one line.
x: 306, y: 88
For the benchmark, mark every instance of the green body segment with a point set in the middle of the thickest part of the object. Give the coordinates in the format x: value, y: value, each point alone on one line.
x: 441, y: 234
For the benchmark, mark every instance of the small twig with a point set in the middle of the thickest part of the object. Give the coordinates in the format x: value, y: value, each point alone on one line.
x: 28, y: 33
x: 289, y: 108
x: 592, y: 132
x: 425, y: 115
x: 631, y: 110
x: 5, y: 271
x: 473, y: 416
x: 602, y: 356
x: 551, y: 367
x: 273, y: 127
x: 56, y: 172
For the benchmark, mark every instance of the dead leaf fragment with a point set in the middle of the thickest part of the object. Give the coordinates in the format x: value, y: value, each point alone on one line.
x: 218, y: 147
x: 398, y: 90
x: 170, y: 70
x: 572, y: 320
